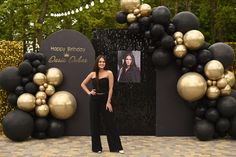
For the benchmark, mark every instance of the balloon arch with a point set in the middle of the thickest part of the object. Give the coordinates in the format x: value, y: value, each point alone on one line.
x: 206, y: 82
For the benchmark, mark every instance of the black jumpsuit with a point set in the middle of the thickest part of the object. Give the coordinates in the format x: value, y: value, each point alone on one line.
x: 98, y: 110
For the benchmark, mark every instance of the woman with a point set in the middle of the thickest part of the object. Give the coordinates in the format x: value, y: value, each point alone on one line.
x: 102, y: 80
x: 129, y: 71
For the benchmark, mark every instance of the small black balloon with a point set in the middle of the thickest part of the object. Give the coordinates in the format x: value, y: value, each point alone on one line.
x: 12, y: 99
x: 39, y: 135
x: 178, y: 62
x: 211, y: 103
x: 25, y: 69
x: 19, y: 90
x: 189, y: 61
x: 41, y: 124
x: 25, y: 80
x: 199, y: 69
x: 157, y: 31
x: 161, y: 15
x: 147, y: 34
x: 36, y: 63
x: 134, y: 27
x: 121, y: 17
x: 184, y: 70
x: 31, y: 87
x: 144, y: 23
x: 160, y: 57
x: 204, y: 130
x: 204, y: 56
x: 42, y: 69
x: 56, y: 128
x: 232, y: 130
x: 167, y: 42
x: 212, y: 115
x: 171, y: 29
x: 200, y: 111
x: 222, y: 125
x: 227, y: 106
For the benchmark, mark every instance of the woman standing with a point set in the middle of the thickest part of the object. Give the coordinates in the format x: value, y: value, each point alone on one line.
x: 102, y: 80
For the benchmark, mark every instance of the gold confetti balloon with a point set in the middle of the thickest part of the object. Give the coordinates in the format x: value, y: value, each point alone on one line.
x: 62, y: 105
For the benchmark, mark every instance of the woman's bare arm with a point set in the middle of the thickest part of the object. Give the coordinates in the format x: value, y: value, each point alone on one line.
x: 111, y: 83
x: 85, y: 82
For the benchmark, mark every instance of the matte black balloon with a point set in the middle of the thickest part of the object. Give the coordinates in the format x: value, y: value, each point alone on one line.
x: 144, y: 23
x: 157, y: 31
x: 121, y: 17
x: 233, y: 93
x: 36, y: 63
x: 206, y: 45
x: 212, y: 115
x: 10, y: 79
x: 30, y: 56
x: 42, y: 69
x: 204, y: 56
x: 134, y: 27
x: 151, y: 49
x: 31, y: 87
x: 204, y: 130
x: 199, y: 69
x: 34, y: 70
x: 185, y: 21
x: 211, y: 103
x: 19, y: 90
x: 160, y: 58
x: 25, y: 80
x: 40, y: 56
x: 12, y: 99
x: 189, y: 61
x: 56, y: 128
x: 200, y: 111
x: 171, y: 29
x: 226, y: 106
x: 161, y: 15
x: 40, y: 124
x: 39, y: 135
x: 178, y: 62
x: 184, y: 70
x: 18, y: 125
x: 194, y: 104
x: 147, y: 34
x: 232, y: 130
x: 25, y: 69
x: 222, y: 125
x: 223, y: 53
x: 167, y: 42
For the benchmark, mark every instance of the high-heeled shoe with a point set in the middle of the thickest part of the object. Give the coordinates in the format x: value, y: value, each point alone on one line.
x: 121, y: 151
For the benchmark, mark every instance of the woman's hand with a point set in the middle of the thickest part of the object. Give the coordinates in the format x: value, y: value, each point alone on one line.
x: 92, y: 92
x: 109, y: 107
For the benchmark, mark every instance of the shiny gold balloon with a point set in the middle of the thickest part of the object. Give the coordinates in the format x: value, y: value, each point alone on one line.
x: 45, y: 85
x: 136, y: 11
x: 179, y: 41
x: 39, y: 78
x: 221, y: 83
x: 191, y: 86
x: 214, y: 83
x: 178, y: 35
x: 26, y: 102
x: 43, y: 101
x: 193, y: 39
x: 41, y: 88
x: 62, y: 104
x: 129, y: 5
x: 180, y: 51
x: 50, y: 90
x: 131, y: 18
x: 38, y: 101
x: 41, y: 95
x: 139, y: 15
x: 230, y: 78
x: 213, y: 92
x: 54, y: 76
x: 214, y: 70
x: 145, y: 9
x: 42, y: 110
x: 225, y: 91
x: 209, y: 82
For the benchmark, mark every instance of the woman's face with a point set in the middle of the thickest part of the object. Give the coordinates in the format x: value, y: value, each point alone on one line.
x: 128, y: 60
x: 101, y: 63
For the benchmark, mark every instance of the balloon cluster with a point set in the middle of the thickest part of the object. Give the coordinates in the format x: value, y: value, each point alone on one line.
x: 206, y: 81
x: 40, y: 110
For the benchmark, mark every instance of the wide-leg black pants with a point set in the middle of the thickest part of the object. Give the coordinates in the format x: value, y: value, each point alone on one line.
x: 98, y: 112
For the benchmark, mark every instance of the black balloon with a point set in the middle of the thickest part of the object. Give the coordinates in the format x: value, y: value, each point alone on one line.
x: 36, y: 63
x: 185, y: 21
x: 199, y: 69
x: 178, y: 62
x: 222, y: 125
x: 161, y: 15
x: 10, y: 79
x: 184, y: 70
x: 232, y: 130
x: 41, y: 124
x: 167, y: 42
x: 223, y: 53
x: 160, y: 57
x: 227, y: 106
x: 12, y: 99
x: 19, y: 90
x: 211, y: 103
x: 200, y: 111
x: 31, y: 87
x: 30, y: 56
x: 134, y: 27
x: 204, y: 130
x: 144, y: 23
x: 121, y: 17
x: 56, y: 128
x: 39, y: 135
x: 171, y: 29
x: 40, y: 56
x: 18, y: 125
x: 147, y: 34
x: 25, y: 69
x: 42, y: 68
x: 212, y: 115
x: 204, y: 56
x: 25, y: 80
x: 189, y: 61
x: 157, y: 31
x: 233, y: 93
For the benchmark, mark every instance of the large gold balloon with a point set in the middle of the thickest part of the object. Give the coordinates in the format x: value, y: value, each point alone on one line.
x: 129, y: 5
x: 131, y: 17
x: 145, y: 9
x: 230, y: 78
x: 62, y: 105
x: 54, y: 76
x: 50, y: 90
x: 42, y: 110
x: 180, y: 51
x: 221, y: 83
x: 41, y: 95
x: 213, y: 92
x: 225, y: 91
x: 26, y: 102
x: 214, y: 70
x: 191, y: 86
x: 193, y: 39
x: 39, y: 78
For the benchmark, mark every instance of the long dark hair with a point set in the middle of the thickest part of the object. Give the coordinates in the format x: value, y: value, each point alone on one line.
x: 96, y: 68
x: 133, y: 63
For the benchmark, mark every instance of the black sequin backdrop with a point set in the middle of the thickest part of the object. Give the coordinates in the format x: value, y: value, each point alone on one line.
x: 134, y: 103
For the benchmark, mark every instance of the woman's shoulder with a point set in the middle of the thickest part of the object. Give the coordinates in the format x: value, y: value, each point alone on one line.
x: 109, y: 72
x: 92, y: 74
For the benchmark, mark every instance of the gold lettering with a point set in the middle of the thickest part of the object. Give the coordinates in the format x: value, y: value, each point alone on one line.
x: 57, y: 49
x: 80, y: 59
x: 75, y: 49
x: 54, y: 59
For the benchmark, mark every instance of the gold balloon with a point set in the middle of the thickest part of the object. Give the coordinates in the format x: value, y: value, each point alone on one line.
x: 62, y: 105
x: 179, y: 41
x: 191, y: 86
x: 129, y: 5
x: 225, y: 91
x: 50, y: 90
x: 180, y: 51
x: 42, y: 110
x: 41, y: 88
x: 45, y: 85
x: 230, y: 78
x: 38, y: 101
x: 131, y: 17
x: 178, y: 35
x: 214, y: 70
x: 213, y: 92
x: 193, y: 39
x: 139, y: 15
x: 145, y: 9
x: 54, y: 76
x: 26, y: 102
x: 136, y: 11
x: 214, y: 83
x: 39, y: 78
x: 41, y: 95
x: 209, y: 82
x: 43, y: 101
x: 221, y: 83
